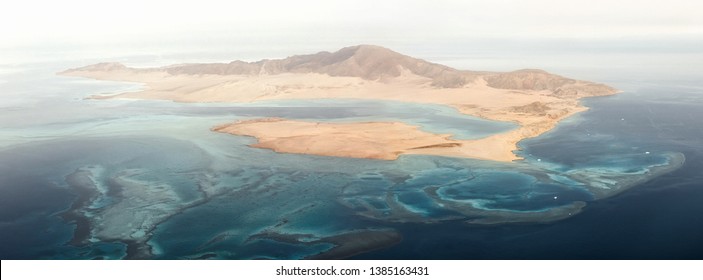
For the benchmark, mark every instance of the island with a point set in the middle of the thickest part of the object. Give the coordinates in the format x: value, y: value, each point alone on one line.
x: 131, y: 205
x: 535, y: 100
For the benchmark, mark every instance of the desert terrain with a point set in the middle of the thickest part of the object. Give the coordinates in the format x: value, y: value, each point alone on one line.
x: 533, y: 99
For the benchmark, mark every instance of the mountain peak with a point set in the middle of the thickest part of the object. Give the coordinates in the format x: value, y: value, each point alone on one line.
x: 359, y: 49
x: 368, y: 62
x: 375, y: 62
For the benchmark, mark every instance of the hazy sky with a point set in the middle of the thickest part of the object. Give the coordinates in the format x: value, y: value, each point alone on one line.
x: 31, y: 22
x: 586, y: 38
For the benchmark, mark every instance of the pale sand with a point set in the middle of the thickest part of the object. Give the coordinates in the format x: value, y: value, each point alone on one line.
x: 377, y: 140
x: 361, y: 140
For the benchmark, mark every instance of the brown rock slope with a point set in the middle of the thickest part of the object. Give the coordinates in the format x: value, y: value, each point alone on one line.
x: 533, y: 99
x: 534, y: 79
x: 364, y: 61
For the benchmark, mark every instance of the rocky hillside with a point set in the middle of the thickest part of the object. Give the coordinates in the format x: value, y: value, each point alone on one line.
x: 534, y: 79
x: 378, y: 64
x: 364, y: 61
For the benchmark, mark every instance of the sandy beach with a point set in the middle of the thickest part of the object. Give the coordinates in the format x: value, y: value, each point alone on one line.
x: 533, y: 99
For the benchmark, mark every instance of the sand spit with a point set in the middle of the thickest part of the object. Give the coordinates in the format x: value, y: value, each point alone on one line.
x: 533, y: 99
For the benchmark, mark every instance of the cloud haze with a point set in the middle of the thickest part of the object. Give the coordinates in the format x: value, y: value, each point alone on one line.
x: 32, y: 22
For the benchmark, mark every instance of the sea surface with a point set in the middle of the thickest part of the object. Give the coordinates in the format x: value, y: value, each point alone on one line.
x: 113, y: 179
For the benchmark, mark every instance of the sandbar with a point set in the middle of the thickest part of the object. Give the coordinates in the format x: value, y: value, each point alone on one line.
x: 533, y: 99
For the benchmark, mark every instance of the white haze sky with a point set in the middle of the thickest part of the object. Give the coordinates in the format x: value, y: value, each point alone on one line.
x: 83, y: 21
x: 269, y: 29
x: 30, y: 22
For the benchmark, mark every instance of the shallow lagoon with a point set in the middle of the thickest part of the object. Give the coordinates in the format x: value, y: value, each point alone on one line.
x: 231, y: 201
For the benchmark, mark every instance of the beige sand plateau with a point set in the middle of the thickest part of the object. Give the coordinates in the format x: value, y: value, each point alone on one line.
x: 533, y: 99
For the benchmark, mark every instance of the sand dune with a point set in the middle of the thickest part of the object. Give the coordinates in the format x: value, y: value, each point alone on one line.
x: 534, y: 99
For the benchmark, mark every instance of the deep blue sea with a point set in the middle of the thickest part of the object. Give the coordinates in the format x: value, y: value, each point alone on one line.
x: 659, y: 219
x: 111, y: 179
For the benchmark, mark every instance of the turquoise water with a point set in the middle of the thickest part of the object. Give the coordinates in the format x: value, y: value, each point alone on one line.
x: 656, y: 219
x: 433, y: 118
x: 162, y: 185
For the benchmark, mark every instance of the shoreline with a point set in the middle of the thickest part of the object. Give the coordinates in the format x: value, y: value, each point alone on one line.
x: 533, y: 99
x: 366, y: 140
x: 392, y: 139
